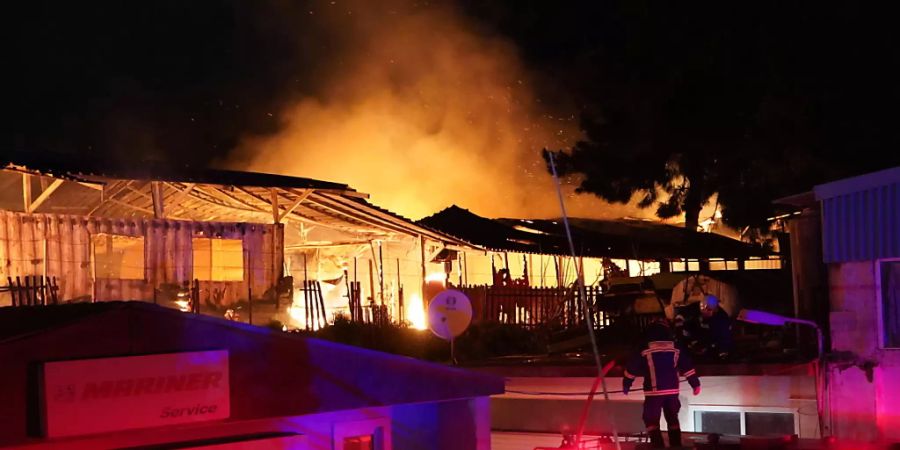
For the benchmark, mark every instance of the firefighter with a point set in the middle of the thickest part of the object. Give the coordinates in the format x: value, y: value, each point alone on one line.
x: 661, y: 363
x: 715, y: 327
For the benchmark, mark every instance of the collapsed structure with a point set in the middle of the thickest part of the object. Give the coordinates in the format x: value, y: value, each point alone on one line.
x: 272, y: 249
x: 297, y: 250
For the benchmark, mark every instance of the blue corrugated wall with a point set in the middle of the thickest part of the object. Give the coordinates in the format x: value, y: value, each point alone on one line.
x: 862, y: 225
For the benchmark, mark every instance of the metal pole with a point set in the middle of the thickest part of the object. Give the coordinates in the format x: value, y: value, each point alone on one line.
x: 587, y: 315
x: 249, y: 288
x: 821, y: 373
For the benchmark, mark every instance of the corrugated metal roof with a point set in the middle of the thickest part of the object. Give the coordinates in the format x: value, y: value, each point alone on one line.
x: 861, y: 217
x: 87, y: 170
x: 211, y: 195
x: 595, y: 238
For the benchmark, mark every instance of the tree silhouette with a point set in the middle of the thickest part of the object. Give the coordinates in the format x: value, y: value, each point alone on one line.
x: 680, y: 102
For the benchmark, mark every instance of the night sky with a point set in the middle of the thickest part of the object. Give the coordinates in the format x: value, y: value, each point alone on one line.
x: 190, y: 81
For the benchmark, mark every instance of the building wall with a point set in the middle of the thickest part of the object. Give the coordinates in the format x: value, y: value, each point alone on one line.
x: 271, y: 374
x: 794, y: 393
x: 861, y: 225
x: 863, y: 383
x: 60, y: 246
x: 450, y: 425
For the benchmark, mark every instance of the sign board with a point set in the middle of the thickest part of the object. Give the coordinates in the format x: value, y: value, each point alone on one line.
x: 449, y: 314
x: 110, y: 394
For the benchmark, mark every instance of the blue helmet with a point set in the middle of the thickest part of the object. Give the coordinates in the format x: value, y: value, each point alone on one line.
x: 711, y: 301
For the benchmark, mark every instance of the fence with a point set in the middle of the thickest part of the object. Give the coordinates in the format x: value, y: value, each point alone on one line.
x: 554, y: 307
x: 531, y: 306
x: 36, y: 290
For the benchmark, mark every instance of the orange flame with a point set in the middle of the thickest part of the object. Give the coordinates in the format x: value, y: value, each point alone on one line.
x: 415, y: 311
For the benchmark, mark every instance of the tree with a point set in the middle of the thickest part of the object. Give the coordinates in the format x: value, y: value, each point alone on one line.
x: 691, y: 101
x: 667, y: 113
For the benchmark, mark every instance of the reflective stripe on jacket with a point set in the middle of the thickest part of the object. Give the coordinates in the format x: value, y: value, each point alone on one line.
x: 661, y: 364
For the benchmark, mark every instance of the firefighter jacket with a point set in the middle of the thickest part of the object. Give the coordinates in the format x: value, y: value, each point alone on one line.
x: 661, y: 364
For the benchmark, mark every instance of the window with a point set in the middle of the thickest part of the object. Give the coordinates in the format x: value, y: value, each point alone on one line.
x: 768, y: 423
x: 218, y: 259
x: 762, y: 263
x: 889, y: 291
x: 366, y: 442
x: 372, y: 434
x: 722, y: 422
x: 118, y: 257
x: 749, y: 421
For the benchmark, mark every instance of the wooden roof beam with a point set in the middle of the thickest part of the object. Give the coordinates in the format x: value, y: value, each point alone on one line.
x: 365, y: 213
x: 296, y: 203
x: 180, y: 194
x: 227, y: 197
x: 26, y: 192
x: 45, y: 195
x: 374, y: 222
x: 408, y: 225
x: 295, y: 215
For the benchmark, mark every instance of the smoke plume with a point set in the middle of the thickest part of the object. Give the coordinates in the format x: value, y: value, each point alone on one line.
x: 419, y: 107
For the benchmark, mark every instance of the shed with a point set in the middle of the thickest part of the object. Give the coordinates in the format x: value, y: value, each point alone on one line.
x: 70, y: 371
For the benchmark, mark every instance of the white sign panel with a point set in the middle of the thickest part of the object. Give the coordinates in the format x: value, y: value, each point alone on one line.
x: 109, y: 394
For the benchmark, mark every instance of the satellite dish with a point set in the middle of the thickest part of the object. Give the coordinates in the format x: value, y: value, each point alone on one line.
x: 449, y: 314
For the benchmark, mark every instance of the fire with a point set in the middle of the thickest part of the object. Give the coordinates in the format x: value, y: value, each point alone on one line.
x: 415, y: 311
x: 421, y: 95
x: 436, y: 277
x: 183, y: 305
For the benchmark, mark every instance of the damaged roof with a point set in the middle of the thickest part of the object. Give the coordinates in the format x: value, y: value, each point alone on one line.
x: 632, y: 239
x: 85, y: 187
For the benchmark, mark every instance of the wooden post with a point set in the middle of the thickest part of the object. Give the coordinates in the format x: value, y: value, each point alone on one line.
x: 322, y: 306
x: 556, y: 263
x: 44, y: 259
x: 274, y: 197
x: 156, y: 192
x: 371, y: 283
x: 581, y: 269
x: 381, y: 273
x: 26, y: 192
x: 195, y: 293
x: 12, y: 291
x: 664, y: 266
x: 422, y: 248
x: 703, y: 264
x: 400, y: 315
x: 249, y: 289
x: 28, y: 290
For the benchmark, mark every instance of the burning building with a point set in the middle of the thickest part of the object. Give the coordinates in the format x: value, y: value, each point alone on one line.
x: 537, y: 251
x: 254, y: 247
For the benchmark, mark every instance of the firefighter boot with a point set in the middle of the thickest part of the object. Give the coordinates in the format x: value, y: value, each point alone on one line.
x: 674, y: 437
x: 656, y: 439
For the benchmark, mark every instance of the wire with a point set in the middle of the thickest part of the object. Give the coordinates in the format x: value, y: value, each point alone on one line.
x: 573, y: 393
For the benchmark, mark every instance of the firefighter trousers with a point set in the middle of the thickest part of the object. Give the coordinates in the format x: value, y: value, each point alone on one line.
x: 665, y: 405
